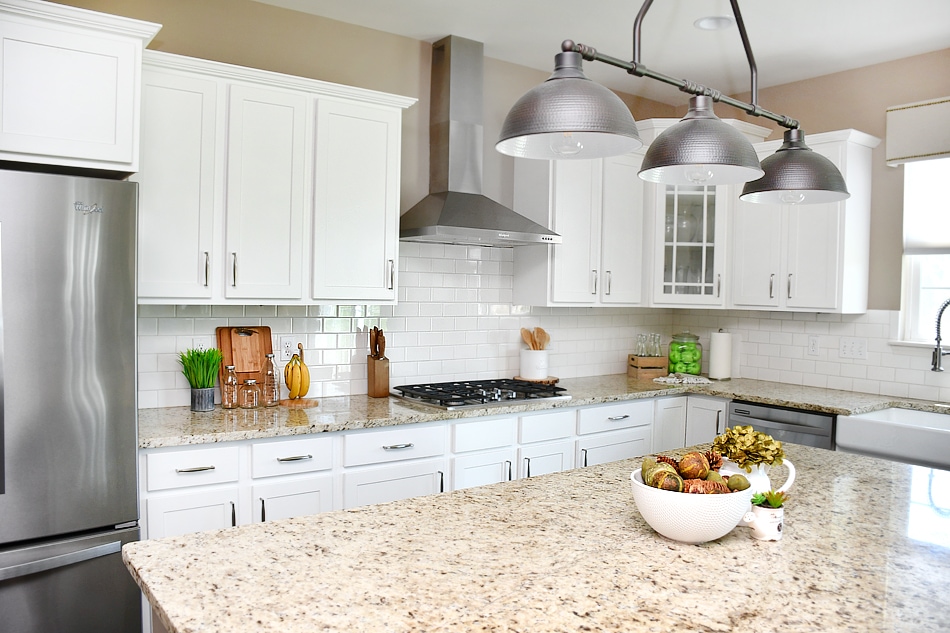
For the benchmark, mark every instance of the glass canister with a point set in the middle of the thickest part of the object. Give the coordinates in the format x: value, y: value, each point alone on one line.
x: 229, y: 388
x: 686, y: 354
x: 271, y: 394
x: 250, y: 394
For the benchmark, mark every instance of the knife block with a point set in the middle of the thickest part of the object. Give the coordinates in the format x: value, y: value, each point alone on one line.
x: 377, y: 377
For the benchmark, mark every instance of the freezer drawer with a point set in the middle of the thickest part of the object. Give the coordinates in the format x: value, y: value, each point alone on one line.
x: 78, y: 585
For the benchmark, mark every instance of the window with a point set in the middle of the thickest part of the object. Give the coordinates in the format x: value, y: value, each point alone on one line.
x: 926, y: 283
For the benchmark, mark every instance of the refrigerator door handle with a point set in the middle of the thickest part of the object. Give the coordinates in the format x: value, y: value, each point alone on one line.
x: 45, y: 564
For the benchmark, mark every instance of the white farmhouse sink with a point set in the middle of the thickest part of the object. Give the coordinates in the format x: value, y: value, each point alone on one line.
x: 904, y: 435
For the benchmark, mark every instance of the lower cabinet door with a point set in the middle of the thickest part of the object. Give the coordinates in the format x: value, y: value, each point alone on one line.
x: 610, y: 447
x: 669, y: 424
x: 392, y: 483
x: 483, y: 468
x: 705, y: 419
x: 283, y: 500
x: 550, y: 457
x: 175, y: 515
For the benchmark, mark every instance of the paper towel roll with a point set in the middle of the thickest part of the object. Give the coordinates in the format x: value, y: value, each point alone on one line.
x: 720, y: 356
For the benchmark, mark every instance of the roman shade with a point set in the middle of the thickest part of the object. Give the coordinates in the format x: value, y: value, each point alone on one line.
x: 918, y: 131
x: 926, y: 207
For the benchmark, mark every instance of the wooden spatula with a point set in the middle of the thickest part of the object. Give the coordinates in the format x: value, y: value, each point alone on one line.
x: 528, y: 338
x: 541, y: 337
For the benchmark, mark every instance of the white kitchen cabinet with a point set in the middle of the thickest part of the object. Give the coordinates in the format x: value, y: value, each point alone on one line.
x: 482, y: 468
x: 808, y: 257
x: 393, y: 482
x: 597, y: 208
x: 356, y: 202
x: 263, y: 188
x: 545, y: 457
x: 706, y: 417
x: 71, y: 83
x: 614, y: 431
x: 177, y: 514
x: 669, y: 424
x: 286, y: 499
x: 176, y: 242
x: 264, y: 216
x: 611, y: 446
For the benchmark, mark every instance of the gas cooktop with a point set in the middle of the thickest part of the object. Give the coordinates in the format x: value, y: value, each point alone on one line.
x: 475, y: 394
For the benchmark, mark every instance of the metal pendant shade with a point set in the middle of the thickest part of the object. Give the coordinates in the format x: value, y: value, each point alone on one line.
x: 700, y: 150
x: 568, y: 116
x: 796, y: 174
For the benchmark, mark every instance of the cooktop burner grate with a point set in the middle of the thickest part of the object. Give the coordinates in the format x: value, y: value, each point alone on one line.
x: 479, y: 393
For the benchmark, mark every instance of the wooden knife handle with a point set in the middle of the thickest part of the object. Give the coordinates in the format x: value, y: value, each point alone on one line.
x: 381, y: 341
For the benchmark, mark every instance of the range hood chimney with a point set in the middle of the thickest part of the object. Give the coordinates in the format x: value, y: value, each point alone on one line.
x: 455, y: 211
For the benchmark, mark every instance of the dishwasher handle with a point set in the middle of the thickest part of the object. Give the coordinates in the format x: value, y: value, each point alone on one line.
x: 760, y: 424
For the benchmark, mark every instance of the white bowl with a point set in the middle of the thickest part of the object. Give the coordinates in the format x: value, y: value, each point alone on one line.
x: 689, y: 518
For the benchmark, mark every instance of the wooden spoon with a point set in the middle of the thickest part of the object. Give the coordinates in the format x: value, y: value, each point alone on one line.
x: 542, y: 337
x: 528, y: 338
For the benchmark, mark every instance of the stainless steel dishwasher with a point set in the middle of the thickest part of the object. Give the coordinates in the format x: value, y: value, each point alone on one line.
x: 797, y: 426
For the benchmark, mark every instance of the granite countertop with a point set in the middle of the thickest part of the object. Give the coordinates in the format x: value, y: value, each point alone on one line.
x: 179, y: 426
x: 866, y: 548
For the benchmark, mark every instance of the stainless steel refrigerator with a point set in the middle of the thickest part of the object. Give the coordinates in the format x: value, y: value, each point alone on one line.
x: 67, y: 388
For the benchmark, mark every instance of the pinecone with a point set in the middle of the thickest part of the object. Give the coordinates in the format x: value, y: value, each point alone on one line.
x: 714, y: 459
x: 669, y: 460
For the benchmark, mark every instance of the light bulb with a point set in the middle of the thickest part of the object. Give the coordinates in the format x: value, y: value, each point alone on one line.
x: 564, y: 144
x: 698, y: 174
x: 792, y: 197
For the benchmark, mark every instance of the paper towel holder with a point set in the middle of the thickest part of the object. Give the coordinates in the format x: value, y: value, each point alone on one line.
x: 720, y: 356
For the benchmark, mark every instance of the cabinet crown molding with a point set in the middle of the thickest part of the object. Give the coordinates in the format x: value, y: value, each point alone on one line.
x: 82, y: 18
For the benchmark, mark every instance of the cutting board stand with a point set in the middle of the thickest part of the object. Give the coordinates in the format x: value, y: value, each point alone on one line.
x: 377, y: 377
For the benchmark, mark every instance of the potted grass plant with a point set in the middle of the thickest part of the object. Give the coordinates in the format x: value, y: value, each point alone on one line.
x: 200, y: 367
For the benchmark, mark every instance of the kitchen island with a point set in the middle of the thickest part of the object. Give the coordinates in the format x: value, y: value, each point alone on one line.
x: 866, y: 548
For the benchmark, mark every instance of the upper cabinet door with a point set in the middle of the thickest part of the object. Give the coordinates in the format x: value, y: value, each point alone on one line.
x: 757, y: 271
x: 176, y: 192
x: 356, y: 202
x: 577, y: 199
x: 70, y: 86
x: 265, y: 197
x: 622, y: 231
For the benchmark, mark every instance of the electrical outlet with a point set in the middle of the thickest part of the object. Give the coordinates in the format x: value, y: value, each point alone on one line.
x: 288, y: 346
x: 813, y: 347
x: 852, y: 347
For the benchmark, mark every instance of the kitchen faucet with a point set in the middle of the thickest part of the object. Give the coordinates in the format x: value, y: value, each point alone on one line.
x: 939, y: 353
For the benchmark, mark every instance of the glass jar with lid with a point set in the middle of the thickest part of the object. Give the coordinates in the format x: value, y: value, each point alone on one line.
x: 686, y: 354
x: 250, y: 394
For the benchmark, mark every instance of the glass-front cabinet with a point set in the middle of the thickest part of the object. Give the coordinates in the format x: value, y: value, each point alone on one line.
x: 690, y: 253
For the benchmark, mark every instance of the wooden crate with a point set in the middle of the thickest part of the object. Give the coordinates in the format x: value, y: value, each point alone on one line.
x: 647, y: 367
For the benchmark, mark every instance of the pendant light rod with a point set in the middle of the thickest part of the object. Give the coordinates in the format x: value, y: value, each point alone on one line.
x: 685, y: 85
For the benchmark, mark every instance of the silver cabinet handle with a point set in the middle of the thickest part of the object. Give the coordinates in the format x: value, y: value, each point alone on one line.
x: 441, y: 481
x: 263, y: 512
x: 392, y: 274
x: 771, y: 286
x: 527, y: 466
x: 508, y: 464
x: 194, y: 469
x: 233, y: 269
x: 397, y: 447
x: 233, y: 515
x: 295, y: 458
x: 593, y: 274
x: 608, y: 282
x: 718, y: 285
x: 718, y: 421
x: 584, y: 453
x: 207, y: 267
x: 62, y: 560
x: 614, y: 418
x: 789, y: 285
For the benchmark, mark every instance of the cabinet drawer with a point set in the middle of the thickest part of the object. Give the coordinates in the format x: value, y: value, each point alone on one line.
x: 180, y: 469
x: 483, y: 434
x: 610, y: 417
x: 377, y: 447
x: 542, y: 427
x: 288, y: 457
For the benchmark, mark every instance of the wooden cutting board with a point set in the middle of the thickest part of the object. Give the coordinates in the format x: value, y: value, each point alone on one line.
x: 244, y: 347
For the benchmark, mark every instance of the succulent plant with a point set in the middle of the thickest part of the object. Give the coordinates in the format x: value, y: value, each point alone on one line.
x: 769, y: 499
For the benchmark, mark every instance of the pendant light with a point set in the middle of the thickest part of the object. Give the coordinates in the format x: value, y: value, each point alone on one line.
x: 700, y: 150
x: 568, y: 116
x: 796, y: 174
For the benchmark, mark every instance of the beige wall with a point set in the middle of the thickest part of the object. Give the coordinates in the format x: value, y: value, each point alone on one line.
x: 262, y: 36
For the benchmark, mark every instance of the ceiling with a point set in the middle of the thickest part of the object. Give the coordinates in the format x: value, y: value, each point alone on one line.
x: 791, y: 40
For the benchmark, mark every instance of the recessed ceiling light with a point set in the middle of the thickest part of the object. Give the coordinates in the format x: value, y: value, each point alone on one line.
x: 713, y: 23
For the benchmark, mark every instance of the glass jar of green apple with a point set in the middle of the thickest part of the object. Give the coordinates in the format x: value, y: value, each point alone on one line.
x: 686, y: 354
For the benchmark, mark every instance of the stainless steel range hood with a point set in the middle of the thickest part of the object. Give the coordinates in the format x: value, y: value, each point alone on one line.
x: 456, y: 211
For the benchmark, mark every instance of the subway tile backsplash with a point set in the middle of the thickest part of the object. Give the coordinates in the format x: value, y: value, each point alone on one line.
x: 455, y: 320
